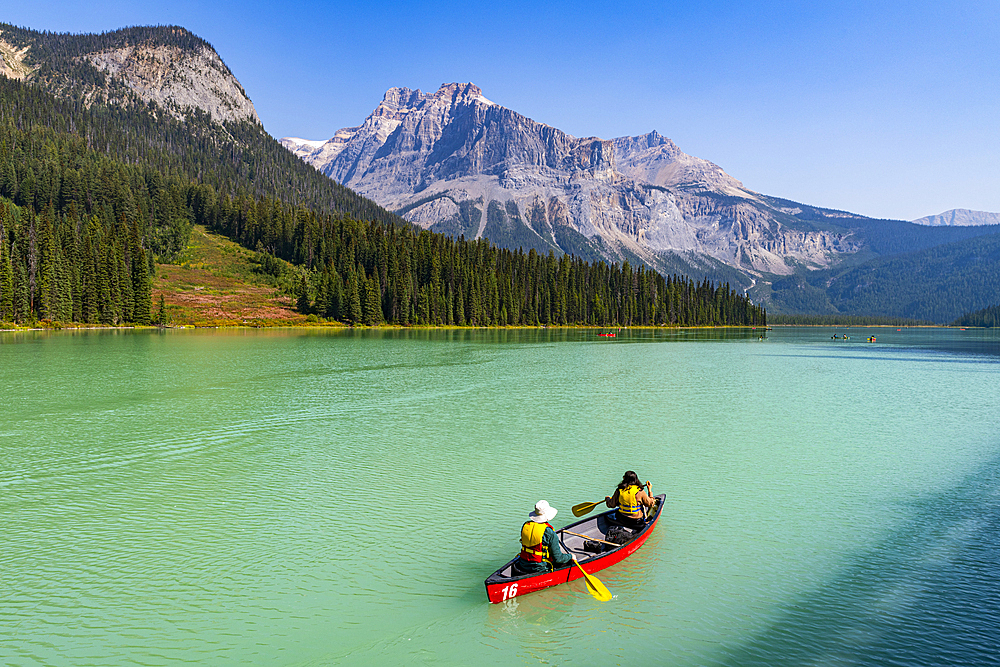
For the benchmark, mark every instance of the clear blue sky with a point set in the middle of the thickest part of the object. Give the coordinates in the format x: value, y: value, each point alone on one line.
x: 889, y: 109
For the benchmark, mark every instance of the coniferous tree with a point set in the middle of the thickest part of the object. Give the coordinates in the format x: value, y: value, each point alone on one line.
x: 90, y: 298
x: 324, y: 285
x: 373, y: 302
x: 161, y: 312
x: 62, y: 294
x: 46, y: 268
x: 22, y: 298
x: 141, y: 287
x: 302, y: 304
x: 125, y: 287
x: 459, y: 309
x: 353, y: 299
x: 6, y: 281
x: 106, y: 306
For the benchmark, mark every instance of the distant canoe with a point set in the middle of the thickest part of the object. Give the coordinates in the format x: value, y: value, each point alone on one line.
x: 501, y: 586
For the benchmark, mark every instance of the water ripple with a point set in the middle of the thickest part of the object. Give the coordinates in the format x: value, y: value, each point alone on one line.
x: 315, y: 500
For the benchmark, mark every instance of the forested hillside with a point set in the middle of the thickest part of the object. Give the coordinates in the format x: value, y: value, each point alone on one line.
x: 844, y: 321
x: 936, y: 284
x: 987, y: 317
x: 92, y: 195
x: 234, y: 158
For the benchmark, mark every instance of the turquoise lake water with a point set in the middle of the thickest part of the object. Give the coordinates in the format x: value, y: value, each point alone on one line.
x: 310, y: 498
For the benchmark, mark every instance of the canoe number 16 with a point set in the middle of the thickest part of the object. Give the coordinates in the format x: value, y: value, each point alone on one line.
x: 509, y: 593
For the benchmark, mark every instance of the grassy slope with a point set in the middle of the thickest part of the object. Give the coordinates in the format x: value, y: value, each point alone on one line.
x: 214, y: 284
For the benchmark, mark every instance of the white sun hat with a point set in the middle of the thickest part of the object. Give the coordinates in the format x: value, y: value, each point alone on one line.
x: 543, y: 512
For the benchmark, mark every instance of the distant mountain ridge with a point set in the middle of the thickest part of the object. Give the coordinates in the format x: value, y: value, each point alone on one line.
x: 959, y: 217
x: 454, y: 161
x: 937, y: 283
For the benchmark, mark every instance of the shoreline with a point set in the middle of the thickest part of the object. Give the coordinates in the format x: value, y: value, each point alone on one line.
x: 337, y: 325
x: 455, y: 327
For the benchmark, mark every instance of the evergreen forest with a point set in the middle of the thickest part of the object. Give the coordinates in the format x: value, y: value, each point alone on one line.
x: 987, y: 318
x: 844, y: 321
x: 936, y: 284
x: 93, y: 196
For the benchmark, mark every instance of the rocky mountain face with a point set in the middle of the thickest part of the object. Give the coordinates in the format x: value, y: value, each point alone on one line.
x: 959, y: 217
x: 12, y: 63
x: 178, y: 80
x: 453, y: 161
x: 165, y: 65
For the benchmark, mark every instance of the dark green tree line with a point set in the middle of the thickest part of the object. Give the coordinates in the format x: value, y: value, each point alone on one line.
x: 71, y: 269
x: 987, y: 317
x: 844, y: 320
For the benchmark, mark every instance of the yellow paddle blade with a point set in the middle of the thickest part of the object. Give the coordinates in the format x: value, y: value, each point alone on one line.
x: 584, y: 508
x: 594, y: 586
x: 597, y: 589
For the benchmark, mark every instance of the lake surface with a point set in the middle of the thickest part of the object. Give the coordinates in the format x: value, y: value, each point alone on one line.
x: 311, y: 498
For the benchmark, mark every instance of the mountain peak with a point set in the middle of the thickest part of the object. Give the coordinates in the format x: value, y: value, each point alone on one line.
x: 402, y: 99
x: 459, y: 93
x: 455, y: 162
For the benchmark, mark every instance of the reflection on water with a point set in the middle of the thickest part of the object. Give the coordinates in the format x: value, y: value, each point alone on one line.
x: 545, y: 335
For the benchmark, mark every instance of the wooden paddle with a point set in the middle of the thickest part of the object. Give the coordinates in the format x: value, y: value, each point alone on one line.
x: 588, y: 537
x: 594, y: 586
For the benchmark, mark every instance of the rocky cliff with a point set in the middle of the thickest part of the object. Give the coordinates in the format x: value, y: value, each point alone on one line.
x: 165, y: 65
x: 456, y: 162
x: 12, y: 63
x: 178, y: 79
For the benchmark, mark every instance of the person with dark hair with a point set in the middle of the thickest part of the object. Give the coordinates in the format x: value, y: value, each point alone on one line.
x: 540, y: 550
x: 631, y: 500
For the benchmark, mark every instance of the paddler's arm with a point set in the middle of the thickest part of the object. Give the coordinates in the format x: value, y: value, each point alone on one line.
x: 646, y: 497
x: 611, y: 501
x: 551, y: 540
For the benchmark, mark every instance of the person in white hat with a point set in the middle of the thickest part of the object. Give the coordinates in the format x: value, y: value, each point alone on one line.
x: 540, y: 550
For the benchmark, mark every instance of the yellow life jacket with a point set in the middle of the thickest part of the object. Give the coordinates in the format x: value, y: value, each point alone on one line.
x: 627, y: 503
x: 532, y: 549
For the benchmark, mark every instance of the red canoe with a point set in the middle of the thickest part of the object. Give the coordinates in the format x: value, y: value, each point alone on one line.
x: 502, y: 586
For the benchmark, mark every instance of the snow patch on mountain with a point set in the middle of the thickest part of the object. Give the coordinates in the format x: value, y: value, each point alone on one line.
x: 305, y: 142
